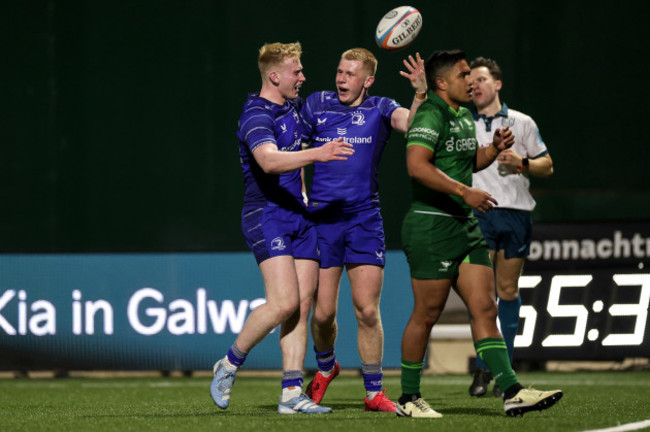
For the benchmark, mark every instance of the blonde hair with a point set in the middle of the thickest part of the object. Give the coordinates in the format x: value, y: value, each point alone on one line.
x: 273, y: 54
x: 364, y: 56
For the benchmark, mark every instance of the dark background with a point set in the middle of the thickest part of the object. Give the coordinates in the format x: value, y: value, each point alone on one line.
x: 118, y: 118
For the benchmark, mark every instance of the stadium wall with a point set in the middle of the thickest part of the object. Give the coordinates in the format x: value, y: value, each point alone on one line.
x: 118, y: 119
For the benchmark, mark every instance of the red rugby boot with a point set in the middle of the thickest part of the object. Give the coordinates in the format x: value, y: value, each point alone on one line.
x: 380, y: 403
x: 317, y: 386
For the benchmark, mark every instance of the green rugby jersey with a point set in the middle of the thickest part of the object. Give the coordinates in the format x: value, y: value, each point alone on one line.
x: 451, y: 136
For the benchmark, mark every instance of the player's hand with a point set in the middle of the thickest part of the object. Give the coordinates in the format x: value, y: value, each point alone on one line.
x: 335, y: 150
x: 479, y: 199
x: 503, y: 138
x: 509, y: 159
x: 416, y: 73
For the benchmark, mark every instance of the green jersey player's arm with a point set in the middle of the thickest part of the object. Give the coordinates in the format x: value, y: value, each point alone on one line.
x: 420, y: 168
x: 502, y: 139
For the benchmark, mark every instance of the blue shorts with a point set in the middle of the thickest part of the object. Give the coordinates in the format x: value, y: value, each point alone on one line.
x: 275, y: 231
x: 351, y: 238
x: 507, y: 229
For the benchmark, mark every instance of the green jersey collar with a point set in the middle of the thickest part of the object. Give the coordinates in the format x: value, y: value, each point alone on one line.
x: 440, y: 102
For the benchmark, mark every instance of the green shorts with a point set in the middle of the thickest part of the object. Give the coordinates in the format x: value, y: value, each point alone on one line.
x: 435, y: 245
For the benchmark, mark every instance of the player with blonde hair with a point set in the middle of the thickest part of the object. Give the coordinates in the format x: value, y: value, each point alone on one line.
x: 275, y: 225
x: 274, y: 54
x: 345, y: 202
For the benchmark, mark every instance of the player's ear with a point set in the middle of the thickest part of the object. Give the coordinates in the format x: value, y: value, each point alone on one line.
x: 498, y: 84
x: 441, y: 83
x: 274, y: 77
x: 369, y: 81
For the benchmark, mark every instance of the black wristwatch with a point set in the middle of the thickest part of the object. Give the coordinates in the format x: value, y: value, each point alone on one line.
x: 525, y: 164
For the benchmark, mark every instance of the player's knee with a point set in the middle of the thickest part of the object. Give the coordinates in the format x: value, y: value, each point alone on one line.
x: 368, y: 316
x: 286, y: 308
x: 488, y: 312
x: 324, y: 317
x: 485, y: 310
x: 429, y: 314
x: 508, y: 292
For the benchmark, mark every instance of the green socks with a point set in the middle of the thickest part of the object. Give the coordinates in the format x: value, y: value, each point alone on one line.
x: 494, y: 353
x: 411, y: 373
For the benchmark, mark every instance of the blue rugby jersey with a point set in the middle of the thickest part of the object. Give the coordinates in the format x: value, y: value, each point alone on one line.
x: 352, y: 184
x: 262, y: 122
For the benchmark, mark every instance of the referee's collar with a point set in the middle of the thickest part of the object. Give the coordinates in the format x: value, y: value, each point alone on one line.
x: 503, y: 112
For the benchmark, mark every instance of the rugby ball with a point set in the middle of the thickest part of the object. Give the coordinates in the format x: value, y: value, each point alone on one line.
x: 398, y: 28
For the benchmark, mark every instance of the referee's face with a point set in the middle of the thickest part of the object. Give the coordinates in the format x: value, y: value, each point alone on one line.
x: 484, y: 87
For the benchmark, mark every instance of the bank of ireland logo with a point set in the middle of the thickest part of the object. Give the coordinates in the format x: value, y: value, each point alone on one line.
x: 358, y: 118
x: 341, y: 131
x: 278, y: 244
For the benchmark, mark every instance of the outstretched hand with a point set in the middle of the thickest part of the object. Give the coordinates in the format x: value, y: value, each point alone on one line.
x: 335, y: 150
x: 503, y: 138
x: 416, y: 73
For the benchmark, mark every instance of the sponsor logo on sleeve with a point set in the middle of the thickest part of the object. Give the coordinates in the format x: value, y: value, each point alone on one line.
x: 423, y: 133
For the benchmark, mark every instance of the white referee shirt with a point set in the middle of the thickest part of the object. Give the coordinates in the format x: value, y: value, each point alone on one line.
x: 509, y: 187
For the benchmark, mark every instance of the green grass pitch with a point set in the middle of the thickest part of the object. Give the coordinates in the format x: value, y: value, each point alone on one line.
x: 592, y: 400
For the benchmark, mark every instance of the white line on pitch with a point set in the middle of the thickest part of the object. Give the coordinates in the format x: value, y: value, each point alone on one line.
x: 625, y: 427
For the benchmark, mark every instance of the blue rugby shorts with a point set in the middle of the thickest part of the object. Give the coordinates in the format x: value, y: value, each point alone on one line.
x: 275, y: 231
x: 351, y: 238
x: 507, y: 229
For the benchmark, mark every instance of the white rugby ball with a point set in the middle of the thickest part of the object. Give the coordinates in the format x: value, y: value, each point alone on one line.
x: 398, y: 28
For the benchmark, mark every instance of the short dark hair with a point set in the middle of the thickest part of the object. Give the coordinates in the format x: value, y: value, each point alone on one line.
x: 490, y: 64
x: 440, y: 60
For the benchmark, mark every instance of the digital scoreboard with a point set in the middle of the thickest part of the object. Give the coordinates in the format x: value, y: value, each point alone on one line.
x: 601, y: 316
x: 585, y: 294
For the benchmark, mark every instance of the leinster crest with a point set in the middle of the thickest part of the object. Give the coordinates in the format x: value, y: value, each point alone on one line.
x: 358, y: 118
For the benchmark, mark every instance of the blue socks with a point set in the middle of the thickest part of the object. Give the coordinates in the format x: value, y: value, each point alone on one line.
x: 372, y: 376
x: 509, y: 319
x: 292, y: 378
x: 236, y: 356
x: 325, y: 360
